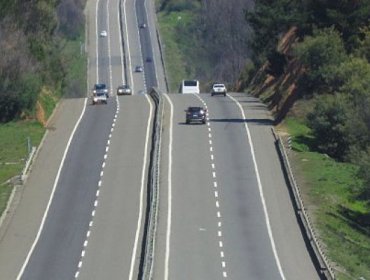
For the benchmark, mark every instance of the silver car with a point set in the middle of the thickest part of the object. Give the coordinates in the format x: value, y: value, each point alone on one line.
x: 124, y: 90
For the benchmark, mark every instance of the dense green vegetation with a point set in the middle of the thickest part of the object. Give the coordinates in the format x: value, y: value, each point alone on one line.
x: 332, y: 46
x: 42, y: 59
x: 35, y: 35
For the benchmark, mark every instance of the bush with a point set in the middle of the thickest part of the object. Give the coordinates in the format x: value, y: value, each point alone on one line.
x: 328, y: 123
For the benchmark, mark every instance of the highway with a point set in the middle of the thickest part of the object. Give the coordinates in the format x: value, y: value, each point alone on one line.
x: 224, y: 208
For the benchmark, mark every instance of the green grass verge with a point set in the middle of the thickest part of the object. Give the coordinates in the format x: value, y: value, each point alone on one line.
x: 13, y: 152
x: 174, y: 58
x: 332, y: 189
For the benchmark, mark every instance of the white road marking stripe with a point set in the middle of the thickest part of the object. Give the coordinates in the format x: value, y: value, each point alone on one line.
x: 216, y: 194
x: 97, y: 192
x: 224, y: 274
x: 85, y: 243
x: 214, y: 174
x: 20, y: 274
x: 169, y: 200
x: 101, y: 173
x: 103, y: 165
x: 267, y: 219
x: 142, y: 187
x: 99, y: 184
x: 88, y: 233
x: 219, y: 233
x: 219, y: 224
x: 218, y: 214
x: 217, y: 204
x: 213, y: 166
x: 83, y: 253
x: 215, y: 184
x: 222, y: 255
x: 220, y: 244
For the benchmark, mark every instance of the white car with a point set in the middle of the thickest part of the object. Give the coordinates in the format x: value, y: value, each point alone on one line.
x: 103, y: 33
x: 218, y: 89
x: 99, y: 98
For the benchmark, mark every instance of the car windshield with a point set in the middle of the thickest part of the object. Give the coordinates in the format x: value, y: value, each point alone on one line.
x: 219, y: 85
x: 194, y: 109
x: 100, y: 86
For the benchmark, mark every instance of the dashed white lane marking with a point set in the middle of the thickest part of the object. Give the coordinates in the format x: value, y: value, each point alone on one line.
x: 222, y: 255
x: 93, y: 213
x: 99, y: 184
x: 223, y: 264
x: 215, y: 184
x: 85, y: 243
x: 211, y: 149
x: 217, y: 204
x: 216, y: 194
x: 224, y: 274
x: 83, y: 253
x: 101, y: 173
x: 214, y: 174
x: 219, y: 233
x: 210, y: 135
x: 220, y: 244
x: 79, y: 264
x: 213, y: 166
x: 88, y: 233
x: 103, y: 165
x: 212, y: 157
x: 105, y: 156
x: 210, y: 142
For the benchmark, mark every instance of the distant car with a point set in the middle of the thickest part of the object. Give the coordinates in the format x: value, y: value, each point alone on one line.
x: 218, y: 89
x: 196, y: 114
x: 139, y: 69
x: 142, y: 25
x: 124, y: 90
x: 99, y: 98
x: 101, y: 88
x: 103, y: 33
x: 149, y: 59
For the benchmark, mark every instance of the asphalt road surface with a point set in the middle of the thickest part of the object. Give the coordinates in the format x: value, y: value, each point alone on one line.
x: 225, y: 210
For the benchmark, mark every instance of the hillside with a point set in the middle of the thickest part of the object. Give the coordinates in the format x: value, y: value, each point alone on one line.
x: 37, y: 40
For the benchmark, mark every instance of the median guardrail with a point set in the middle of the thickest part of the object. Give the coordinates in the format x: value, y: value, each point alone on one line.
x: 317, y: 253
x: 150, y: 228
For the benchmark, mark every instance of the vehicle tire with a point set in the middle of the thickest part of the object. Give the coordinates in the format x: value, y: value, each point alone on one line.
x: 225, y: 94
x: 204, y: 122
x: 212, y: 94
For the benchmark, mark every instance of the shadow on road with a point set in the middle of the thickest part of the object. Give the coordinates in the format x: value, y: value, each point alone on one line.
x: 255, y: 121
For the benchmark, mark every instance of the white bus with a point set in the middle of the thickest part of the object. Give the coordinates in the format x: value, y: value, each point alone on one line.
x: 190, y: 86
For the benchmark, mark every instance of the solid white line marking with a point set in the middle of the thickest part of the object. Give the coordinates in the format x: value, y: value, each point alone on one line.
x: 169, y: 200
x: 128, y: 47
x: 52, y: 194
x: 267, y: 219
x: 141, y: 197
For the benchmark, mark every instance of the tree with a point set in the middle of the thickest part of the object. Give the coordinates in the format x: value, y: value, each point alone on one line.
x: 321, y: 53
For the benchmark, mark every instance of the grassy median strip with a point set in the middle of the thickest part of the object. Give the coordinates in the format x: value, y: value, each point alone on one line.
x: 331, y: 191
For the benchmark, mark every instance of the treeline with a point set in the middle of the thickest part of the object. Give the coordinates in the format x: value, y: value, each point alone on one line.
x: 333, y: 48
x: 32, y: 35
x: 215, y: 40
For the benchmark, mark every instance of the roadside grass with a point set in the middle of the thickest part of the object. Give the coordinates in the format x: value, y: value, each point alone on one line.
x: 174, y: 58
x: 339, y: 215
x: 184, y: 56
x: 14, y: 150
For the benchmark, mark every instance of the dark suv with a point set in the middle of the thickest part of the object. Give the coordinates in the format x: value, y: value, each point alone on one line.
x: 196, y: 114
